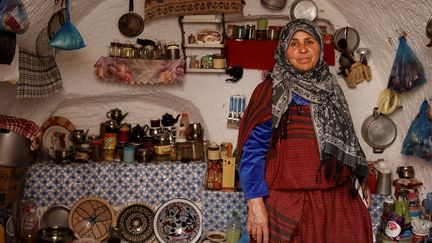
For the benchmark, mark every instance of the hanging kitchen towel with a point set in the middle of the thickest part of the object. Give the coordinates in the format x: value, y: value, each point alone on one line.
x: 37, y: 79
x: 418, y: 141
x: 161, y: 8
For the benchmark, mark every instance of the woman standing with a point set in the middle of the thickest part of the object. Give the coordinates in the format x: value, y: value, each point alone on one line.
x: 299, y: 153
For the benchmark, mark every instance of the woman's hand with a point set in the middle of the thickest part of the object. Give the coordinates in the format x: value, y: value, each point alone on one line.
x: 257, y: 220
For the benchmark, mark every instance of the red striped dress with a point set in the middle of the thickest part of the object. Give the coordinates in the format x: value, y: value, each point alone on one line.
x: 302, y: 205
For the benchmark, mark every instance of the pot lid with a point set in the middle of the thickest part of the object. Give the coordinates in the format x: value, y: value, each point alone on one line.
x: 350, y: 35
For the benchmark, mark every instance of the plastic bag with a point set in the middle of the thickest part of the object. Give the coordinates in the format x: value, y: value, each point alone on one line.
x: 418, y: 141
x: 13, y: 16
x: 407, y: 71
x: 67, y: 37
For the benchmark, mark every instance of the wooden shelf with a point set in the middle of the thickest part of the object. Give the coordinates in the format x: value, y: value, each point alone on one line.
x: 205, y: 70
x: 204, y: 45
x: 202, y: 19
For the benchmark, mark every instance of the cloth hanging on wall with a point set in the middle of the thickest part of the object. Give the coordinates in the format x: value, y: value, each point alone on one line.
x: 37, y: 79
x: 160, y: 8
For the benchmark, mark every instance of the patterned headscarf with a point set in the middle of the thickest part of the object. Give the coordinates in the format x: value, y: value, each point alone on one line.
x: 329, y: 109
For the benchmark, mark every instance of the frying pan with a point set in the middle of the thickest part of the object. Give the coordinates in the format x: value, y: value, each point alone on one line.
x: 303, y: 9
x: 378, y: 131
x: 131, y: 24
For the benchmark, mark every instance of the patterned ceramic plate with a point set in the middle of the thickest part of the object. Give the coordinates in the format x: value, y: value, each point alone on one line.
x: 56, y: 132
x: 91, y: 217
x: 134, y: 223
x: 178, y: 220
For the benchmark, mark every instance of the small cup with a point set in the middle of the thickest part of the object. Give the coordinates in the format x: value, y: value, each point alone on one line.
x: 419, y: 238
x: 155, y: 123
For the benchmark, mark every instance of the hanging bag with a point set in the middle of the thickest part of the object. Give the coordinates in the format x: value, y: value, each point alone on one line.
x: 13, y: 16
x: 418, y: 141
x: 407, y: 71
x: 67, y: 37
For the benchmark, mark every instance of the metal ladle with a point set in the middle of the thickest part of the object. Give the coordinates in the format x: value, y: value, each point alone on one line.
x: 343, y: 44
x: 429, y: 31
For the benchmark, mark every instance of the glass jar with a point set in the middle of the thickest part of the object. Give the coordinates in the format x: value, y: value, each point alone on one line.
x: 137, y: 50
x: 240, y: 32
x: 273, y: 32
x: 214, y: 168
x: 218, y: 61
x: 230, y: 31
x: 191, y: 39
x: 115, y: 49
x: 128, y: 50
x: 96, y: 147
x: 250, y: 32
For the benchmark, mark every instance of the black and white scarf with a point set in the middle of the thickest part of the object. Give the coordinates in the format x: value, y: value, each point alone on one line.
x: 329, y: 109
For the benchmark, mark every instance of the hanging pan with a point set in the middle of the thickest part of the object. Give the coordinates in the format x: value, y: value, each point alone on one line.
x: 131, y: 24
x: 378, y: 131
x: 303, y: 9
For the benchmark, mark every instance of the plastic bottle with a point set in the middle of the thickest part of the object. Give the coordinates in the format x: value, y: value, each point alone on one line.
x: 234, y: 229
x: 29, y: 222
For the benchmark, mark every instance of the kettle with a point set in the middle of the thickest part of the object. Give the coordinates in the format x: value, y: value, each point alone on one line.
x: 116, y: 115
x: 138, y: 133
x: 168, y: 120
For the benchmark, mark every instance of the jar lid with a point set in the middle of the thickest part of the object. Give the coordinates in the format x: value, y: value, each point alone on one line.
x: 85, y: 145
x: 219, y: 56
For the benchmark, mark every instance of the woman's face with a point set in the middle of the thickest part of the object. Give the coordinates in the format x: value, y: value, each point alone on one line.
x: 303, y: 51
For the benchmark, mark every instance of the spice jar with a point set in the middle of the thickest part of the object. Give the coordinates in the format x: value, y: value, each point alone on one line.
x: 240, y: 32
x: 218, y: 61
x: 214, y: 168
x: 191, y: 39
x: 250, y: 32
x: 96, y: 147
x: 128, y: 50
x: 115, y: 49
x: 273, y: 32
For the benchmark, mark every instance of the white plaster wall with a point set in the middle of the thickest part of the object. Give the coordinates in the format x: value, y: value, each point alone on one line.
x: 85, y: 100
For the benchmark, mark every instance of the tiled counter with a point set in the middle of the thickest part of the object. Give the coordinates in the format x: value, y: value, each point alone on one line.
x: 154, y: 183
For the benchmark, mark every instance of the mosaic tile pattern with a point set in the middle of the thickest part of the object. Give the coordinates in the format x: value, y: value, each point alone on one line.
x: 118, y: 183
x: 376, y: 210
x: 218, y: 207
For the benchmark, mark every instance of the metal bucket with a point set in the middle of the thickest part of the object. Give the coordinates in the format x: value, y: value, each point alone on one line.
x: 14, y: 149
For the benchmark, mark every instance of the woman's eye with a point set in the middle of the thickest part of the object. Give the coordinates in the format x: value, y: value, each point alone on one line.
x: 293, y: 44
x: 309, y: 42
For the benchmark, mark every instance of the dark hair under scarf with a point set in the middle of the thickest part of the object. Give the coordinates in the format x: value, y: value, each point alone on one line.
x: 329, y: 110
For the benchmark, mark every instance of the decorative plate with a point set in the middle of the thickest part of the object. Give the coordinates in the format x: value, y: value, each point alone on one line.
x: 91, y: 217
x: 134, y: 223
x: 178, y: 220
x: 56, y: 131
x: 55, y: 216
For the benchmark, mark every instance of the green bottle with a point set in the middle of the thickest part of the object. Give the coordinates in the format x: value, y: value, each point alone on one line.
x: 234, y: 229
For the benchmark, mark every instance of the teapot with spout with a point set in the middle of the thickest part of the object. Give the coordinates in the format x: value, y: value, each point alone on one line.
x: 168, y: 120
x: 116, y: 115
x: 138, y: 133
x: 78, y: 136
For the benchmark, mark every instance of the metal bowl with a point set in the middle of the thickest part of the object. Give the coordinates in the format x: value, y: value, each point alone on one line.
x: 55, y: 235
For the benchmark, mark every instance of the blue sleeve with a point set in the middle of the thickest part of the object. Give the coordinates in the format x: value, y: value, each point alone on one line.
x: 252, y: 161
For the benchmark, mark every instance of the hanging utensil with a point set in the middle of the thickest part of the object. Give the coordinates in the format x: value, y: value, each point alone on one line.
x: 303, y: 9
x: 429, y: 31
x: 131, y: 24
x: 350, y: 36
x: 378, y: 131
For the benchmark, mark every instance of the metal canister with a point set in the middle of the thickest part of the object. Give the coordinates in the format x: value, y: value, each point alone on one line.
x: 240, y: 32
x: 250, y: 32
x: 115, y: 49
x: 96, y: 147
